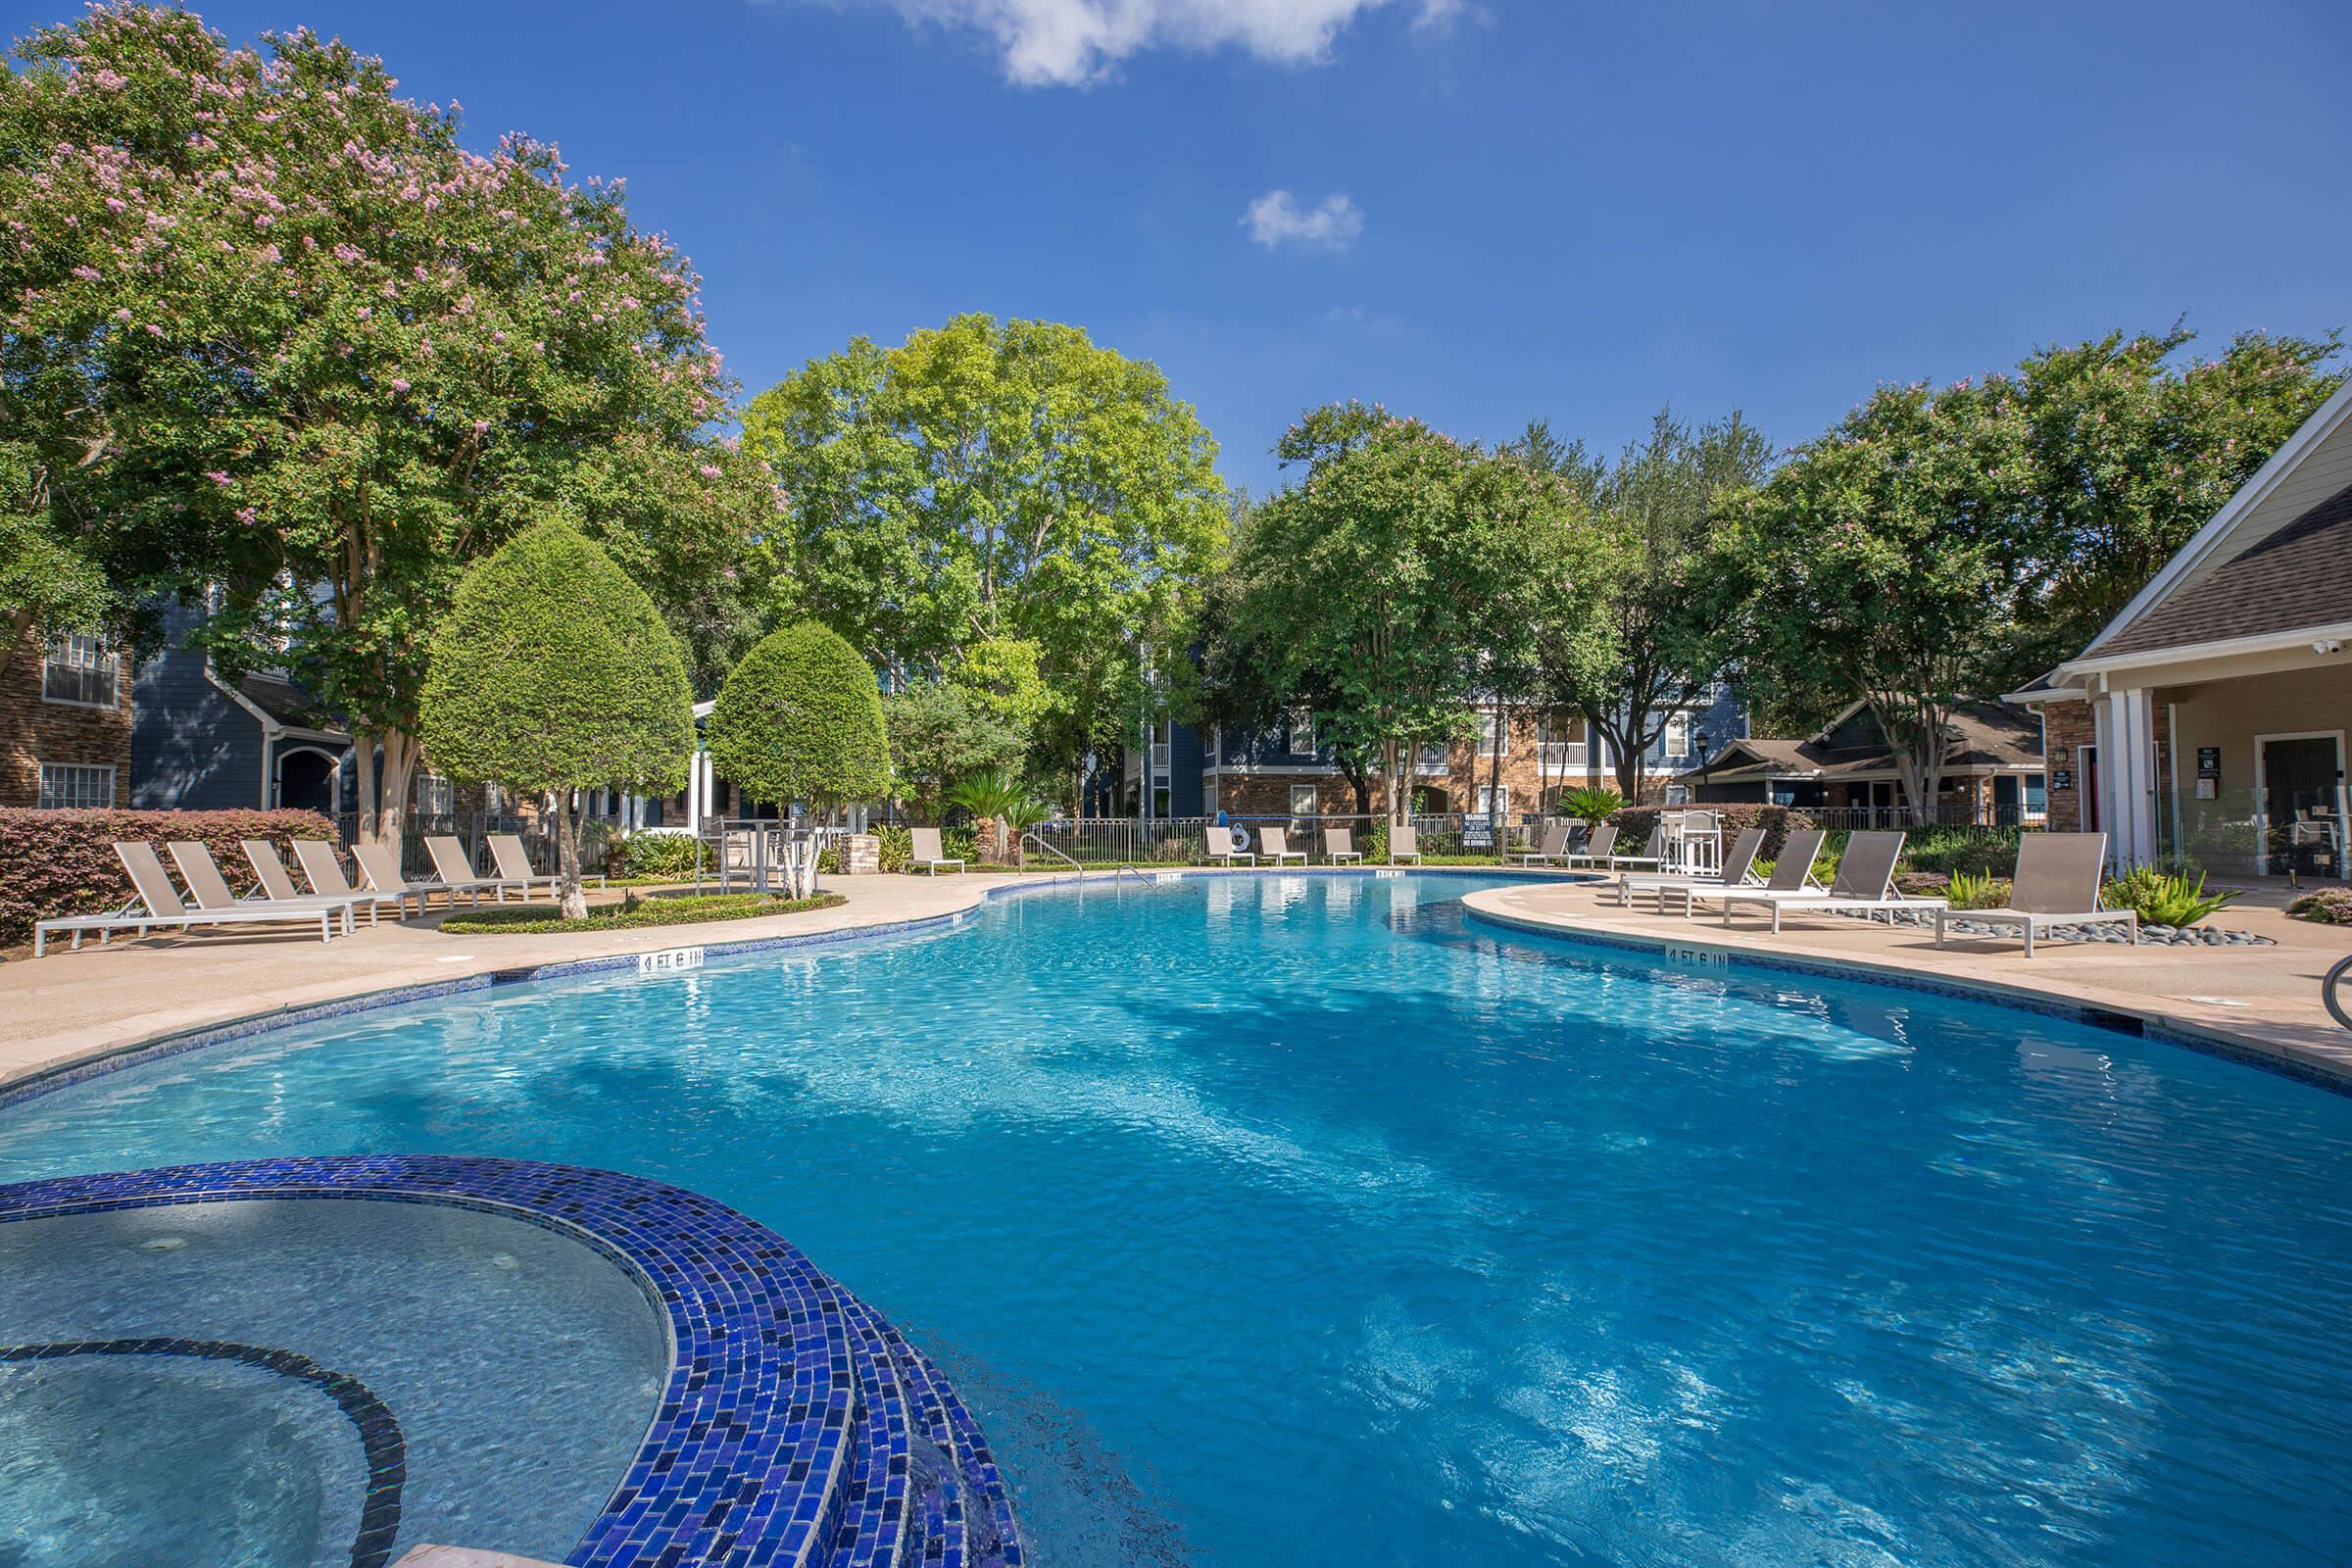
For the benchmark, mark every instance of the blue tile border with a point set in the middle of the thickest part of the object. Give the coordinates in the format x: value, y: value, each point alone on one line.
x: 2166, y: 1031
x: 781, y: 1434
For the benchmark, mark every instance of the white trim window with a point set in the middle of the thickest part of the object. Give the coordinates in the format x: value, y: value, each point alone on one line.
x: 76, y: 787
x: 81, y: 671
x: 1302, y: 800
x: 1675, y: 739
x: 436, y: 795
x: 1488, y: 804
x: 1302, y: 732
x: 1492, y: 735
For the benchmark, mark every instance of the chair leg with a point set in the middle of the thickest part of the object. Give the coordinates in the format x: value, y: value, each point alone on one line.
x: 2028, y: 939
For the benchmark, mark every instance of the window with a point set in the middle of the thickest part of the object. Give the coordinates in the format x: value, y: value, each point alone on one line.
x: 1491, y: 804
x: 2037, y: 800
x: 79, y: 670
x: 1208, y: 797
x: 75, y: 787
x: 1677, y: 739
x: 1302, y: 800
x: 1492, y: 735
x: 1302, y: 732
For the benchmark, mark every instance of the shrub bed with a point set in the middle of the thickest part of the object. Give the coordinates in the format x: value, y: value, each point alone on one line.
x: 63, y: 862
x: 2326, y: 907
x: 634, y: 912
x: 671, y: 856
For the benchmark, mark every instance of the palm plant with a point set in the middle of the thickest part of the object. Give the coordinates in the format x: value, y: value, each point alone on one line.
x: 1002, y: 798
x: 1591, y: 802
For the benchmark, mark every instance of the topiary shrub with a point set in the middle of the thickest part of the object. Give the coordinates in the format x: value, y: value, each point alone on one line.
x: 553, y: 670
x: 63, y: 862
x: 800, y: 719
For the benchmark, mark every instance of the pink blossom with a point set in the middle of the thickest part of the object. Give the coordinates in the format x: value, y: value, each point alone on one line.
x: 348, y: 255
x: 154, y: 330
x: 219, y: 476
x: 399, y: 385
x: 88, y: 275
x: 709, y: 470
x: 247, y: 515
x: 270, y: 254
x: 481, y: 426
x: 114, y: 203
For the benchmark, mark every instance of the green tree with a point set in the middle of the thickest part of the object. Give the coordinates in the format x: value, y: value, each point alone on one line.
x: 2130, y: 449
x: 988, y: 480
x: 1663, y: 637
x: 938, y: 735
x: 553, y: 671
x: 1887, y: 561
x: 1380, y: 588
x: 800, y: 719
x: 272, y: 332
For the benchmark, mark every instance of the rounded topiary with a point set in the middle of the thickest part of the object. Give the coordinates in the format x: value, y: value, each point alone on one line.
x: 800, y: 719
x: 553, y: 670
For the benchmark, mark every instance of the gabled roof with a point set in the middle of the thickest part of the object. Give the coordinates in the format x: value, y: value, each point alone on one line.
x: 2248, y: 574
x: 288, y: 704
x: 1987, y: 734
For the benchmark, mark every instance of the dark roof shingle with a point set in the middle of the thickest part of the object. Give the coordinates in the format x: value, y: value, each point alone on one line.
x: 2299, y: 576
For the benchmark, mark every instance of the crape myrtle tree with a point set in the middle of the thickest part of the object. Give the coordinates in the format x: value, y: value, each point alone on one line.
x: 800, y: 719
x: 1384, y: 585
x: 267, y: 330
x: 991, y: 479
x: 552, y: 671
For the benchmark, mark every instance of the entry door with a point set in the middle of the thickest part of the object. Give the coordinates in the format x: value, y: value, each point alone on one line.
x: 2300, y: 776
x: 2088, y: 791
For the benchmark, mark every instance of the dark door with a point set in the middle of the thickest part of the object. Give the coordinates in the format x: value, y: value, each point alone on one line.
x: 2299, y: 779
x: 306, y: 781
x: 2088, y: 791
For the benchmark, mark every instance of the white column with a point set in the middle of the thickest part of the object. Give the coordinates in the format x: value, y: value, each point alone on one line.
x: 2128, y: 766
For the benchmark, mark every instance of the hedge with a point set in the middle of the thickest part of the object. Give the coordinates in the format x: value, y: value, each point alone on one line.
x: 62, y: 862
x: 1635, y: 823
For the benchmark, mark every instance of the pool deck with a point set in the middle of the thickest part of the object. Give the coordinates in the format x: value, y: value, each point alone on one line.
x: 73, y: 1007
x: 2251, y: 1001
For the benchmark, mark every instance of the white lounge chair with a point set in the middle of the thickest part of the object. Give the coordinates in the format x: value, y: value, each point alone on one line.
x: 1405, y: 844
x: 1739, y: 870
x: 211, y: 889
x: 324, y: 873
x: 455, y: 870
x: 272, y: 874
x: 1653, y: 853
x: 513, y: 864
x: 1339, y: 846
x: 2057, y: 883
x: 1595, y: 848
x: 929, y: 854
x: 1865, y: 876
x: 1222, y: 846
x: 158, y: 904
x: 1554, y: 846
x: 379, y: 864
x: 1271, y: 845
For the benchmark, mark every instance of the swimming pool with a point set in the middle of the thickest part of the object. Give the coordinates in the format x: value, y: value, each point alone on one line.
x: 1293, y: 1219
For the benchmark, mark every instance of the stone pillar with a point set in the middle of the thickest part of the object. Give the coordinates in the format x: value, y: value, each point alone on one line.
x: 861, y: 853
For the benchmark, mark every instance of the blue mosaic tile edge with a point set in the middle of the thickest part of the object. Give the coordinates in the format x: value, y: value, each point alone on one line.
x: 2163, y: 1030
x: 782, y: 1435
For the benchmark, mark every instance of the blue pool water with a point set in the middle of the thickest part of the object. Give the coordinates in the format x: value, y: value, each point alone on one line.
x: 1298, y: 1221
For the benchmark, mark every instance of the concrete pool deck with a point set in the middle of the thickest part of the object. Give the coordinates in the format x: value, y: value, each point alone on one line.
x: 2254, y: 1001
x: 72, y: 1008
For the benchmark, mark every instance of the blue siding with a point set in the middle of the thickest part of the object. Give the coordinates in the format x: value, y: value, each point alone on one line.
x: 191, y: 748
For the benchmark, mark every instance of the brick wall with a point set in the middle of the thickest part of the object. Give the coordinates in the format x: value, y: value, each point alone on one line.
x: 1531, y: 784
x: 33, y: 731
x: 2069, y: 726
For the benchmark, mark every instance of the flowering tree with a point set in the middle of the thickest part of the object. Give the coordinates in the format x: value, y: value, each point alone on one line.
x: 271, y: 329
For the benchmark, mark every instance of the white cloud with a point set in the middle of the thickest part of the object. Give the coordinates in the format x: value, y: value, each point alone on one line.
x: 1064, y: 42
x: 1276, y: 220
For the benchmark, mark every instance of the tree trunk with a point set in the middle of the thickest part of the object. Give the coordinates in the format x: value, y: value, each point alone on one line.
x: 573, y: 897
x: 1392, y: 759
x: 362, y: 758
x: 1502, y: 733
x: 398, y: 777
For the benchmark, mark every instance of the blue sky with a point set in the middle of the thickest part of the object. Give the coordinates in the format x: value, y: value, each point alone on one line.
x: 1497, y: 208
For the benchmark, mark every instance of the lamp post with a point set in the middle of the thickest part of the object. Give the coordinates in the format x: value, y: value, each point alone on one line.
x: 1700, y: 740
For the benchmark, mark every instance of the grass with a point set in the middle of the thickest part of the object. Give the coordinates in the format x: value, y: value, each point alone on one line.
x: 633, y: 913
